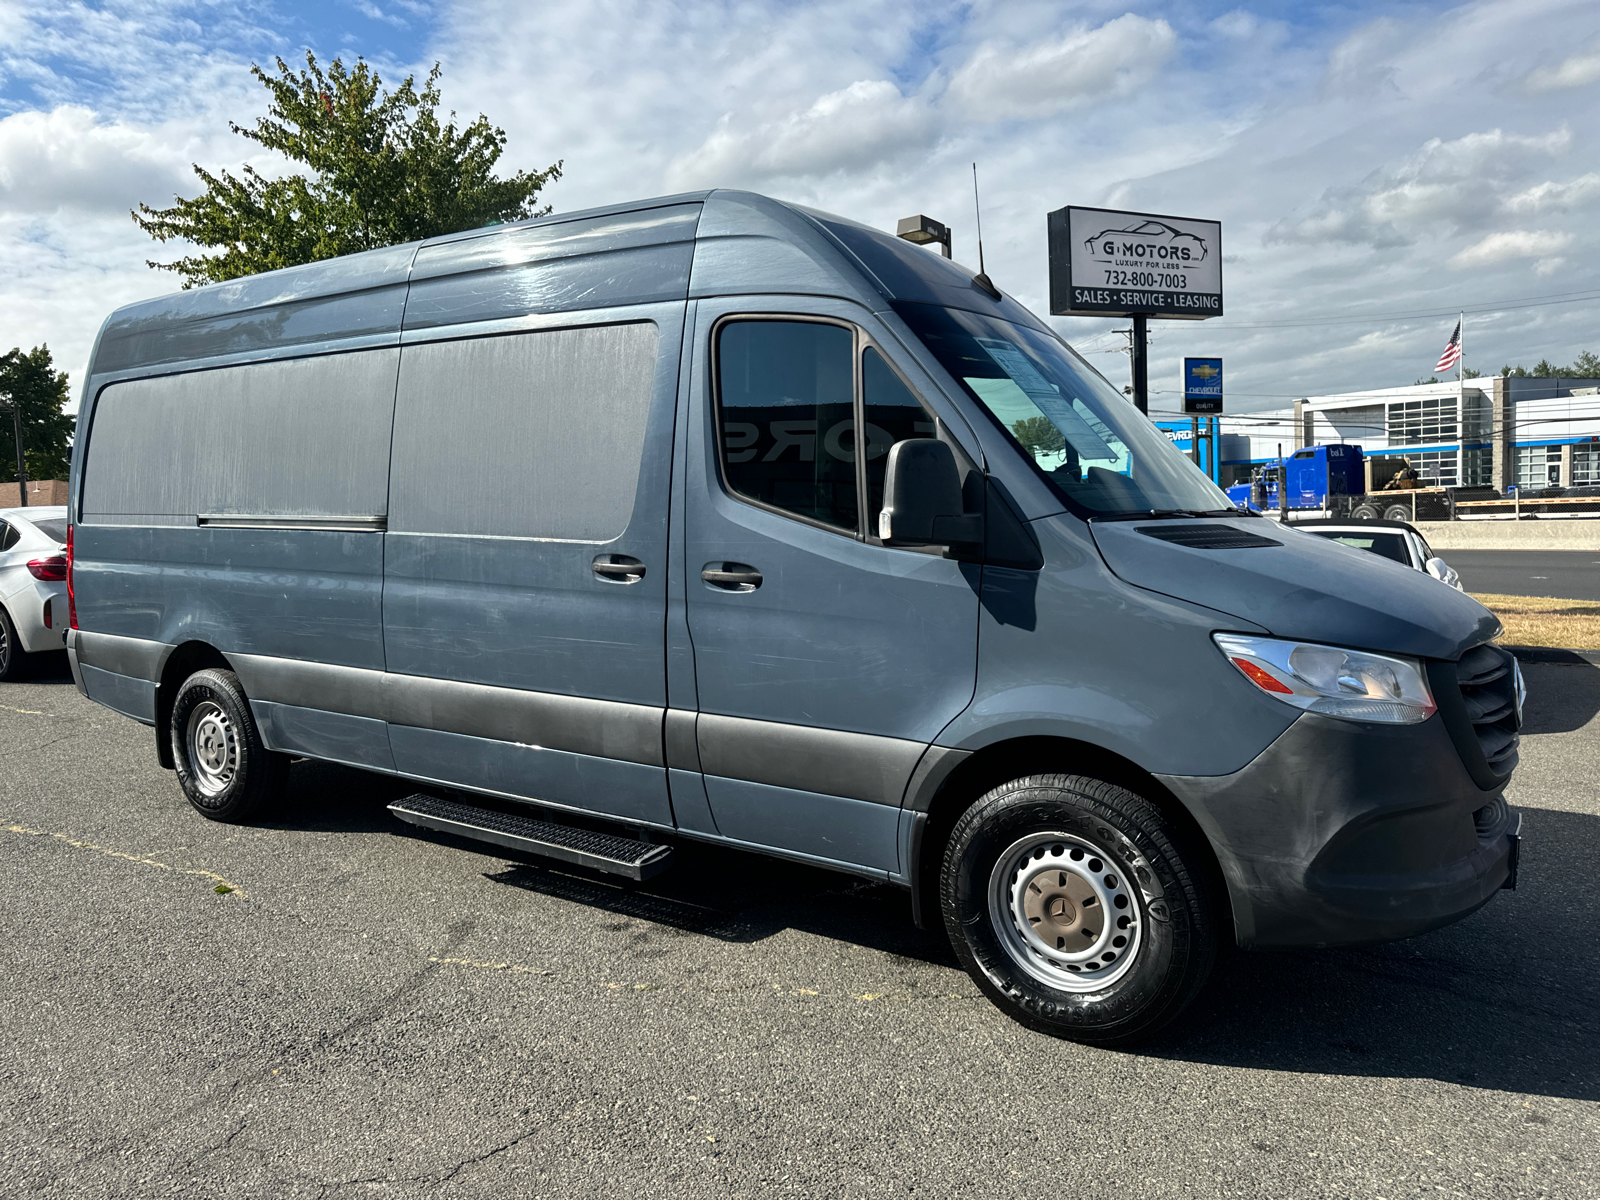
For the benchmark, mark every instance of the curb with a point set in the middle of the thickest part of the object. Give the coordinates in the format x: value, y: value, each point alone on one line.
x: 1550, y: 654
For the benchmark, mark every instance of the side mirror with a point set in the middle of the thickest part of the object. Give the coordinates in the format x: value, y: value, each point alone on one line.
x: 922, y: 497
x: 1442, y: 571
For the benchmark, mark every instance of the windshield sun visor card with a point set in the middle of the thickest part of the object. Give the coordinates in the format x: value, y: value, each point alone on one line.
x: 1047, y: 399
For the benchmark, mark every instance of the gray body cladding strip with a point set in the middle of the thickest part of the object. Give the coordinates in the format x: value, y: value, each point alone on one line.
x: 859, y: 766
x: 827, y: 761
x: 137, y: 657
x: 602, y: 728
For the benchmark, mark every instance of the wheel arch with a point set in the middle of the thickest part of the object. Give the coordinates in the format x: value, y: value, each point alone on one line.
x: 1014, y: 758
x: 182, y: 661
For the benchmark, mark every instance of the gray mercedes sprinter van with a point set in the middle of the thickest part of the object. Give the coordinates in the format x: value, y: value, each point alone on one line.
x: 712, y: 517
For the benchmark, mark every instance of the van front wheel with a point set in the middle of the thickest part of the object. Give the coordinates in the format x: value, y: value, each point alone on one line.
x: 222, y: 766
x: 1078, y: 908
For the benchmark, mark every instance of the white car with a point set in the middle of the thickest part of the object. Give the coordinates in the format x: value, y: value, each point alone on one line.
x: 33, y: 585
x: 1394, y: 540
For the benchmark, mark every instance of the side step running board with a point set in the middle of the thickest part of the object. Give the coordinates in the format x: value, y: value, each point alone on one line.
x: 607, y: 852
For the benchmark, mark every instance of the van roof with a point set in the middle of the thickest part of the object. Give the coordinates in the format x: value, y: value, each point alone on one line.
x: 694, y: 244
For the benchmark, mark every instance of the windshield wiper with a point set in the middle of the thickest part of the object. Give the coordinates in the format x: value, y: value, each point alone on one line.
x: 1159, y: 514
x: 1148, y: 514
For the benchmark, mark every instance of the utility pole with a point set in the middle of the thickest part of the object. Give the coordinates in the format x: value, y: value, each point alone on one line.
x: 22, y: 465
x: 1141, y: 365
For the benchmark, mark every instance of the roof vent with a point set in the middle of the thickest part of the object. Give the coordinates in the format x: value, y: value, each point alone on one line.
x: 1207, y: 537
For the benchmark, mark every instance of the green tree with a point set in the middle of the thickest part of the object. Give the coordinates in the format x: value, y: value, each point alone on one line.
x: 31, y: 381
x: 1038, y: 436
x: 1585, y: 366
x: 382, y: 170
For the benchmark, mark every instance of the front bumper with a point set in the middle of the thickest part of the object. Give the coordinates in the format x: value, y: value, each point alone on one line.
x: 1342, y: 833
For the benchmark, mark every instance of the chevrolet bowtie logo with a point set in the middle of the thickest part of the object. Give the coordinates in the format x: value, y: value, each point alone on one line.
x: 1206, y: 372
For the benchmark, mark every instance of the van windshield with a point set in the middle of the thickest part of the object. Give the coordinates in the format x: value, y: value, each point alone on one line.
x: 1094, y: 447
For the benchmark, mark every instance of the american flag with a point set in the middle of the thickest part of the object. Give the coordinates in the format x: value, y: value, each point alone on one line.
x: 1452, y: 352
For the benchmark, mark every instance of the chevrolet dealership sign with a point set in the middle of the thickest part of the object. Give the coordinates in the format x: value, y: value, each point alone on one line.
x: 1108, y: 263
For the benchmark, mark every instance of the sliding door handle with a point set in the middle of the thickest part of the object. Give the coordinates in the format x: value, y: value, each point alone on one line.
x: 731, y: 577
x: 618, y: 568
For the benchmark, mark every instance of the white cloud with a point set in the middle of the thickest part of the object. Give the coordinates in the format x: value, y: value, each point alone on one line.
x: 1239, y: 24
x: 871, y: 125
x: 68, y: 159
x: 1081, y: 66
x: 1363, y: 63
x: 863, y: 128
x: 1512, y: 244
x: 1312, y: 141
x: 373, y: 13
x: 1576, y: 71
x: 1552, y: 196
x: 1445, y: 185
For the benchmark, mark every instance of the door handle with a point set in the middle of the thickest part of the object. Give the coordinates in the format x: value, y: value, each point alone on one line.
x: 731, y: 577
x: 618, y: 568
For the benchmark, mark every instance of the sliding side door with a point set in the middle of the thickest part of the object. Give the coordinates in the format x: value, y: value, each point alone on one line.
x: 525, y: 561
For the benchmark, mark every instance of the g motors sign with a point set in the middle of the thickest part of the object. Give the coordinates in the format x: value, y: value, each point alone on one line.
x: 1108, y: 263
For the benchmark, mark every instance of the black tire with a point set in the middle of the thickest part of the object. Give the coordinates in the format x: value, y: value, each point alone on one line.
x: 13, y: 658
x: 1363, y: 512
x: 1144, y: 962
x: 1397, y: 512
x: 223, y: 768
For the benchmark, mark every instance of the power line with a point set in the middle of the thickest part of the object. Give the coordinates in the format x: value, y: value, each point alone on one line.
x: 1552, y: 298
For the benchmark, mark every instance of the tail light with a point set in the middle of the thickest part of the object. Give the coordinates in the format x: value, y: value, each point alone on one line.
x: 72, y: 600
x: 50, y: 570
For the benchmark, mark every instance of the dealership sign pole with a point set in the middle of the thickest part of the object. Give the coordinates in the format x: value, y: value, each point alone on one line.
x: 1110, y: 263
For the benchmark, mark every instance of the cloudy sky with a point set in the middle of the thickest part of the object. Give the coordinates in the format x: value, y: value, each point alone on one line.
x: 1374, y: 165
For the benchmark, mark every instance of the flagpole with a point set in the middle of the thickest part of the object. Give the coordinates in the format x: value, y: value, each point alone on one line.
x: 1461, y: 403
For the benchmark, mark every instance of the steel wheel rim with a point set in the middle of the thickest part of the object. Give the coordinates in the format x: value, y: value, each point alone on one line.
x: 213, y: 747
x: 1064, y: 911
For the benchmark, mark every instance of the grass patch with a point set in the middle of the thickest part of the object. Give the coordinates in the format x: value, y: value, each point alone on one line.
x: 1540, y: 621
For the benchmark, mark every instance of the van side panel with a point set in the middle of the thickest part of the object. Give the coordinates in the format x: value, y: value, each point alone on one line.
x: 527, y: 435
x: 561, y: 266
x: 201, y: 493
x: 293, y: 438
x: 334, y: 304
x: 520, y: 460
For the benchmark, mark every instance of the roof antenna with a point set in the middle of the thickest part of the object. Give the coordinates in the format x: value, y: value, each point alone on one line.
x: 981, y: 278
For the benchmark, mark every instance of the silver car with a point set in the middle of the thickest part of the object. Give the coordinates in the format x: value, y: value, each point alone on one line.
x: 33, y: 585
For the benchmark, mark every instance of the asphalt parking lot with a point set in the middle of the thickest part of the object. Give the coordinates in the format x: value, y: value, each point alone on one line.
x: 1563, y: 574
x: 373, y: 1012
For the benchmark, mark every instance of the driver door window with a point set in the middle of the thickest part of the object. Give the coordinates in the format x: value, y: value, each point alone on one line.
x: 788, y: 419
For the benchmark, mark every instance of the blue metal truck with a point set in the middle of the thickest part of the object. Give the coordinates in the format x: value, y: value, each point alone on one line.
x: 1334, y: 480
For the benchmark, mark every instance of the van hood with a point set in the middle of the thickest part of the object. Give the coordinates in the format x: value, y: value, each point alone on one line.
x: 1299, y: 586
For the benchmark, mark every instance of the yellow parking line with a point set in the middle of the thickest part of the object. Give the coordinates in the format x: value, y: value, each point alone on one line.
x: 223, y: 886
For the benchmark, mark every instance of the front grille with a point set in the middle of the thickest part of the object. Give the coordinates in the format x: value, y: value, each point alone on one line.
x: 1487, y: 677
x: 1207, y: 537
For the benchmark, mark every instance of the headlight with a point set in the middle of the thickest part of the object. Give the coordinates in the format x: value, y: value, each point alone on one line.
x: 1351, y: 684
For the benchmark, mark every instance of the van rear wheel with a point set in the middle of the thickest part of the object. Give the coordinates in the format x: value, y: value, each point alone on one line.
x: 1078, y: 908
x: 222, y: 766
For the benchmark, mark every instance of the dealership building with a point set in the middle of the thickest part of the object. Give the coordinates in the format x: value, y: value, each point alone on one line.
x: 1490, y: 432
